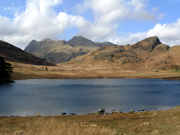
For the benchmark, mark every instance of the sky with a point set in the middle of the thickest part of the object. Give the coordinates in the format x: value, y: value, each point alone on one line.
x: 119, y: 21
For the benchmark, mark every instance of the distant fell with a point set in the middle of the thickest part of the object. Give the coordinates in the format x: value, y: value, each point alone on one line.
x: 149, y: 53
x: 81, y: 41
x: 63, y: 51
x: 14, y: 54
x: 84, y: 42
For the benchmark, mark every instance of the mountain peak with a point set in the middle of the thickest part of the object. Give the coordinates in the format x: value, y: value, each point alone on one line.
x: 80, y: 41
x: 47, y: 39
x: 147, y: 44
x: 33, y: 41
x: 78, y: 36
x: 152, y: 40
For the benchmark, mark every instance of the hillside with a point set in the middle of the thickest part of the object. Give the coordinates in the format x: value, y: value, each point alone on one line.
x: 149, y: 53
x: 148, y: 58
x: 14, y: 54
x: 62, y: 51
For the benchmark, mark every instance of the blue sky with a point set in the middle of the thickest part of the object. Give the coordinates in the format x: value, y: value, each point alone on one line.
x: 118, y: 21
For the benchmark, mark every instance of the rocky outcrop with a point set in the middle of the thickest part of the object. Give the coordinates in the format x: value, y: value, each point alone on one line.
x: 103, y: 43
x: 148, y: 53
x: 147, y: 44
x: 162, y: 48
x: 115, y: 52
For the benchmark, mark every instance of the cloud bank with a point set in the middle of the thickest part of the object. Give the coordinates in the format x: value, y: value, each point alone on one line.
x: 40, y: 20
x: 167, y: 33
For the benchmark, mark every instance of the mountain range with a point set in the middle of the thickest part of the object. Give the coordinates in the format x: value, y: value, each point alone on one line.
x: 149, y: 53
x: 63, y: 51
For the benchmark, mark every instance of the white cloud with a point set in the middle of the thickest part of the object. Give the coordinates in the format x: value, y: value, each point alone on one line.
x: 117, y: 9
x: 38, y: 21
x: 168, y: 34
x: 5, y: 26
x: 108, y: 15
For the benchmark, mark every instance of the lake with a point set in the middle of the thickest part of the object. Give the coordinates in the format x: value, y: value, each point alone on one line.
x: 81, y: 96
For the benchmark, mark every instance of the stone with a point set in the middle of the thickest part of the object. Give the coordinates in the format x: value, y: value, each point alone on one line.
x: 146, y: 124
x: 101, y: 111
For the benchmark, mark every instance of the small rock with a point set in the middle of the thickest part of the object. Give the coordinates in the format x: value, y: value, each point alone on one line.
x: 63, y: 113
x: 18, y: 133
x: 146, y: 124
x: 156, y: 132
x: 131, y: 111
x: 72, y: 113
x: 93, y: 125
x: 116, y: 111
x: 101, y: 111
x: 143, y: 110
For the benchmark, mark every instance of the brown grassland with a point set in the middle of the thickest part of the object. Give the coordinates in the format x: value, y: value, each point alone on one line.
x: 70, y: 71
x: 137, y: 123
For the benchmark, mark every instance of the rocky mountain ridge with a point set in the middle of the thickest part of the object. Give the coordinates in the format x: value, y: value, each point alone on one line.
x: 63, y: 51
x: 149, y: 53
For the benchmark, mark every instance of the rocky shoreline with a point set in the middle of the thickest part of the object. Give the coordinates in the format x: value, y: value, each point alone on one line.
x: 141, y: 123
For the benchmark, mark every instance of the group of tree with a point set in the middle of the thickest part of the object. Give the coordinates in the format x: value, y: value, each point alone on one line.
x: 5, y: 71
x: 175, y: 68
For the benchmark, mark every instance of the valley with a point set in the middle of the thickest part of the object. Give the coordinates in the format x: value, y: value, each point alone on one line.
x: 148, y: 58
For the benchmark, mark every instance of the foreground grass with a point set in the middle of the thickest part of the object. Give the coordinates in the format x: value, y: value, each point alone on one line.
x: 50, y: 126
x: 141, y: 123
x: 53, y: 127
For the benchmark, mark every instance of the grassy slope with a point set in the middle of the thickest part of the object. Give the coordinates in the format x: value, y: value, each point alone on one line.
x: 153, y: 122
x: 14, y: 54
x: 26, y: 71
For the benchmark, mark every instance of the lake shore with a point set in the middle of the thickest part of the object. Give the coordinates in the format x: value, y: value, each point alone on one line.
x: 152, y: 122
x: 25, y: 71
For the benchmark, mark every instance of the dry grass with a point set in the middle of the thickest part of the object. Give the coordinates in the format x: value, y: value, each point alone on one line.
x: 66, y: 71
x: 53, y: 127
x: 144, y: 123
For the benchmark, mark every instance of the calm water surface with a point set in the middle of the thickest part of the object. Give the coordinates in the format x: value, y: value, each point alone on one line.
x: 51, y: 97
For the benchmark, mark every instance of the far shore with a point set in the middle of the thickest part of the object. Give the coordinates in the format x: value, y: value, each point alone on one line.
x: 24, y: 71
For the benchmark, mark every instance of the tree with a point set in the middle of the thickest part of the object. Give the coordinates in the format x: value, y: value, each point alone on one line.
x: 175, y: 68
x: 5, y: 71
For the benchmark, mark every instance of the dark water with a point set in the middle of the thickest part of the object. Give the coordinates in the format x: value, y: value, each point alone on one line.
x: 51, y: 97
